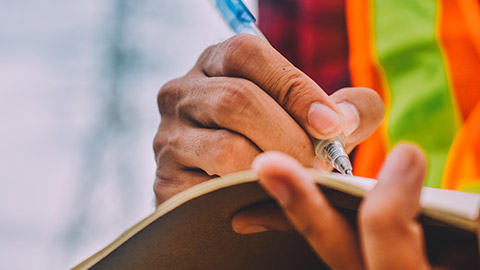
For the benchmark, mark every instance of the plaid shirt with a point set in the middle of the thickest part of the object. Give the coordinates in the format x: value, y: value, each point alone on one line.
x: 312, y: 34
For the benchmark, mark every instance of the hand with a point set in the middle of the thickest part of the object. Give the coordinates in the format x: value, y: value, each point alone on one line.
x: 387, y: 214
x: 240, y: 99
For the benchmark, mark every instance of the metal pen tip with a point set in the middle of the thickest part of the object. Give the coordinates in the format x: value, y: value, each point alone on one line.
x: 349, y: 172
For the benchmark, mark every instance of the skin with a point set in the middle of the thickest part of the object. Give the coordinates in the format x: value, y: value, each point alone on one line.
x: 242, y: 98
x: 387, y: 214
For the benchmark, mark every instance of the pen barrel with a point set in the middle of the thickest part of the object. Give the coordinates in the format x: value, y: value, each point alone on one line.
x: 256, y: 31
x: 330, y: 150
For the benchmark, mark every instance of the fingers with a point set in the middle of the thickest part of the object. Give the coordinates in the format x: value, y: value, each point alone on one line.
x: 188, y: 155
x: 363, y: 111
x: 390, y: 235
x: 249, y: 57
x: 173, y: 178
x: 239, y: 105
x: 308, y: 210
x: 259, y: 218
x: 260, y: 101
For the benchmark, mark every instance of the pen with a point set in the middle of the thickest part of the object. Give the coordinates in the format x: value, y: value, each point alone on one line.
x: 241, y: 20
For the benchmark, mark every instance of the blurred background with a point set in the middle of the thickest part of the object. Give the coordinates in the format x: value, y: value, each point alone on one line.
x: 78, y: 86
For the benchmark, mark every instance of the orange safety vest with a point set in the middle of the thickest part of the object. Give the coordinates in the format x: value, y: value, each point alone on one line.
x: 423, y: 58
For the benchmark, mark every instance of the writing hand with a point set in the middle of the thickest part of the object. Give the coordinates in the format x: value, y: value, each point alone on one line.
x: 240, y: 99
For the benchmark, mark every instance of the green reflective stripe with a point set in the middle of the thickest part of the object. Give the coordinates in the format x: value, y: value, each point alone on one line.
x: 409, y: 53
x: 471, y: 189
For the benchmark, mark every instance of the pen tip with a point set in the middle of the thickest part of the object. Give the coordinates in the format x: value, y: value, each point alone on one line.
x: 349, y: 172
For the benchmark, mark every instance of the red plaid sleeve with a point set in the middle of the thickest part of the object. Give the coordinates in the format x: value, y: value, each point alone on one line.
x: 312, y: 34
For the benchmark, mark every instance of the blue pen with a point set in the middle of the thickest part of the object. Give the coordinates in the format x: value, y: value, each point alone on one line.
x: 241, y: 20
x: 238, y: 17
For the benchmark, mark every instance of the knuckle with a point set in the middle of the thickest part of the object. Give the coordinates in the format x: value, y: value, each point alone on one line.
x: 169, y: 95
x: 165, y: 143
x: 239, y: 49
x: 174, y: 141
x: 206, y: 54
x: 206, y: 59
x: 159, y: 142
x: 295, y: 89
x: 234, y: 99
x: 227, y: 152
x: 176, y: 98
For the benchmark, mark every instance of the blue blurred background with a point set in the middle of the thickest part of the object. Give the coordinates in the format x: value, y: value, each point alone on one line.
x: 78, y: 86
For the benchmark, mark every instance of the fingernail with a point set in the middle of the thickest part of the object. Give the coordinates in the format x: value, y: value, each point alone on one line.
x: 351, y: 117
x: 252, y: 229
x: 322, y: 118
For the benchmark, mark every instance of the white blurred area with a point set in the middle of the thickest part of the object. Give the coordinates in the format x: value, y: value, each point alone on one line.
x: 78, y: 86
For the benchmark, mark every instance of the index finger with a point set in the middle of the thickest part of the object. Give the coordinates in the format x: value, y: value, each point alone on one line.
x: 250, y: 57
x: 309, y: 211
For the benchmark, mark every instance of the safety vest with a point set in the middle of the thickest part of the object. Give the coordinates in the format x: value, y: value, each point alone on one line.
x: 423, y: 58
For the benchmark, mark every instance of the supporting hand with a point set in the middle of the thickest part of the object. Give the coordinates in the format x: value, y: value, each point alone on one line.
x: 388, y: 237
